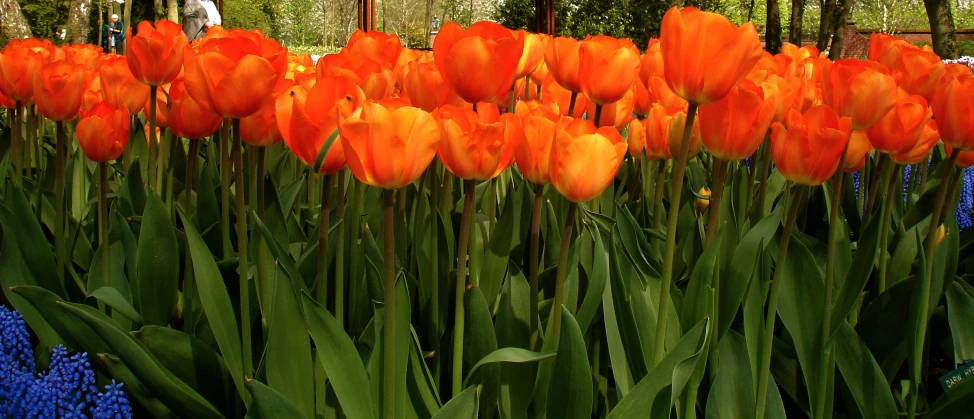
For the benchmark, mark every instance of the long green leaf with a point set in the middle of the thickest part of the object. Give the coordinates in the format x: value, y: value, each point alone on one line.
x: 158, y: 256
x: 863, y: 376
x: 571, y: 375
x: 464, y: 405
x: 598, y: 280
x: 732, y: 394
x: 513, y: 355
x: 114, y: 299
x: 960, y: 315
x: 270, y: 404
x: 858, y: 275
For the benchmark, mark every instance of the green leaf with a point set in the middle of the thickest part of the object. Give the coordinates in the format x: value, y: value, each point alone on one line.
x: 502, y: 241
x: 652, y: 396
x: 570, y: 386
x: 511, y: 326
x: 479, y: 340
x: 464, y: 405
x: 114, y: 299
x: 598, y: 280
x: 22, y: 235
x: 732, y: 394
x: 132, y: 196
x: 288, y: 365
x: 614, y: 341
x: 75, y: 333
x: 329, y: 142
x: 744, y: 261
x: 340, y: 359
x: 698, y: 304
x: 955, y: 404
x: 158, y: 255
x: 634, y: 243
x: 216, y: 303
x: 862, y: 375
x: 270, y: 404
x: 514, y: 355
x: 177, y: 396
x: 135, y: 388
x: 421, y: 388
x: 858, y: 274
x: 960, y: 314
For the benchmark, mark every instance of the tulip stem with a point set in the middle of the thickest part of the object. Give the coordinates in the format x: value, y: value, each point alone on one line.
x: 765, y: 169
x: 554, y: 318
x: 670, y: 247
x: 885, y: 170
x: 492, y: 209
x: 242, y: 250
x: 434, y: 187
x: 658, y: 195
x: 598, y: 115
x: 887, y: 219
x: 60, y: 155
x: 194, y: 151
x: 720, y: 173
x: 260, y: 179
x: 533, y: 266
x: 527, y: 86
x: 153, y: 140
x: 323, y: 225
x: 929, y: 248
x: 571, y: 104
x: 355, y: 263
x: 340, y: 250
x: 389, y: 303
x: 951, y: 191
x: 224, y: 161
x: 103, y: 222
x: 768, y: 337
x: 16, y: 144
x: 172, y: 142
x: 462, y: 243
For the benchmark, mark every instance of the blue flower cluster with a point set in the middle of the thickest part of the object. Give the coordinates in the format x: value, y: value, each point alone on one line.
x: 966, y: 203
x: 66, y: 391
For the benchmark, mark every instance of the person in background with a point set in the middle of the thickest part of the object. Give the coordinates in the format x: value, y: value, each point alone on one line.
x: 212, y: 14
x: 195, y: 19
x: 115, y: 31
x: 105, y: 34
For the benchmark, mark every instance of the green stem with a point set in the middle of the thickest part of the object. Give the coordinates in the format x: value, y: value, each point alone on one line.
x: 462, y: 243
x: 533, y: 266
x: 172, y: 143
x: 224, y: 162
x: 260, y: 179
x: 571, y: 104
x: 768, y: 336
x: 492, y: 209
x: 631, y: 189
x: 355, y: 264
x: 323, y: 225
x: 598, y: 115
x: 16, y: 143
x: 60, y: 155
x: 389, y: 323
x: 670, y: 247
x: 243, y: 267
x: 887, y: 219
x: 153, y: 140
x: 951, y: 192
x: 446, y: 192
x: 720, y: 172
x: 103, y: 222
x: 879, y: 176
x: 554, y: 319
x: 658, y: 195
x: 340, y: 250
x: 765, y: 169
x: 434, y: 187
x: 194, y: 151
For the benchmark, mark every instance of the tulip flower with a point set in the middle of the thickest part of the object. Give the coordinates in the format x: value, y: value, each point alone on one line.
x: 929, y: 137
x: 637, y: 139
x: 229, y: 77
x: 162, y: 106
x: 18, y: 64
x: 607, y: 70
x: 688, y: 35
x: 859, y: 147
x: 701, y: 204
x: 582, y: 167
x: 664, y: 133
x: 568, y: 103
x: 426, y: 90
x: 533, y: 54
x: 733, y: 127
x: 58, y: 90
x: 479, y: 63
x: 120, y: 87
x: 103, y: 132
x: 899, y: 131
x: 86, y: 55
x: 155, y: 54
x: 917, y: 71
x: 480, y: 144
x: 307, y: 118
x: 642, y: 98
x: 186, y: 118
x: 261, y: 129
x: 662, y: 93
x: 533, y: 154
x: 953, y: 107
x: 562, y: 57
x: 376, y: 78
x: 807, y: 147
x: 651, y: 63
x: 964, y: 158
x: 785, y: 92
x: 860, y: 90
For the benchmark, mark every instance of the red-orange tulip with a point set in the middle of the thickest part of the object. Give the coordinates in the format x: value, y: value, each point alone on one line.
x: 917, y: 71
x: 478, y: 144
x: 533, y: 154
x: 18, y: 64
x: 652, y: 61
x: 785, y: 92
x: 607, y: 70
x: 553, y: 93
x: 583, y: 166
x: 859, y: 147
x: 533, y: 54
x: 860, y: 90
x: 953, y: 107
x: 479, y: 63
x: 229, y: 77
x: 120, y: 87
x: 103, y: 132
x: 664, y: 132
x: 307, y: 118
x: 389, y: 149
x: 616, y: 114
x: 373, y: 46
x: 964, y: 159
x: 186, y: 118
x: 58, y: 90
x: 425, y: 87
x: 637, y: 139
x: 155, y: 54
x: 664, y: 95
x: 733, y: 127
x: 899, y: 131
x: 6, y: 102
x: 929, y: 138
x: 642, y: 98
x: 807, y: 151
x: 93, y: 94
x: 561, y: 55
x: 704, y: 54
x: 85, y: 55
x: 261, y: 129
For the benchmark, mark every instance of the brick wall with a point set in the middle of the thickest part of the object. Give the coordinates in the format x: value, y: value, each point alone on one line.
x: 856, y: 44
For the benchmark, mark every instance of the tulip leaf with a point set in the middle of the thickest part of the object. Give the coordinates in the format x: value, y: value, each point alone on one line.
x: 158, y: 264
x: 744, y: 261
x: 511, y: 326
x: 465, y: 405
x: 955, y: 404
x: 598, y: 279
x: 865, y: 380
x: 135, y: 388
x: 75, y: 333
x: 858, y: 274
x: 508, y: 355
x: 614, y: 341
x: 732, y: 394
x: 479, y: 341
x: 270, y: 404
x: 288, y: 365
x: 960, y: 313
x: 570, y: 375
x: 423, y: 397
x: 114, y: 299
x: 329, y: 142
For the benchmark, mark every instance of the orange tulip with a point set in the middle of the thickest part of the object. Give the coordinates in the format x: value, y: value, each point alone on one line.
x: 528, y: 108
x: 583, y: 166
x: 879, y: 43
x: 704, y: 54
x: 798, y: 54
x: 561, y: 55
x: 917, y: 71
x: 425, y: 88
x: 533, y: 154
x: 478, y: 144
x: 733, y: 127
x: 373, y: 46
x: 186, y: 118
x: 306, y: 118
x: 953, y: 107
x: 261, y: 129
x: 965, y: 159
x: 229, y: 77
x: 664, y: 132
x: 607, y: 70
x: 155, y: 54
x: 616, y: 114
x: 899, y: 131
x: 93, y: 94
x: 533, y: 54
x: 44, y: 48
x: 652, y: 61
x: 6, y: 102
x: 664, y: 95
x: 637, y: 139
x: 120, y: 87
x: 953, y: 70
x: 17, y: 67
x: 860, y: 90
x: 85, y: 55
x: 540, y: 74
x: 103, y: 132
x: 785, y: 92
x: 642, y: 98
x: 806, y: 149
x: 554, y: 94
x: 811, y: 96
x: 389, y: 149
x: 479, y: 63
x: 701, y: 204
x: 928, y: 138
x: 519, y: 89
x: 58, y: 90
x: 859, y: 147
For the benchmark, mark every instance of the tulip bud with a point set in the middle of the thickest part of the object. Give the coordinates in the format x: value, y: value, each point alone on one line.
x: 941, y: 231
x: 702, y: 204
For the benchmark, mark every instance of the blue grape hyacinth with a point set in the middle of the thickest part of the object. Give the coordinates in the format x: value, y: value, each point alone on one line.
x: 67, y: 390
x: 966, y: 202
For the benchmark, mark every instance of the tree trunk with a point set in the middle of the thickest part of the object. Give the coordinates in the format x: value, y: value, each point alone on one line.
x: 825, y: 25
x: 77, y: 26
x: 835, y: 51
x: 942, y: 28
x: 172, y: 10
x: 795, y: 27
x: 126, y: 23
x: 12, y: 20
x: 772, y: 31
x: 101, y: 20
x: 749, y: 10
x: 159, y: 7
